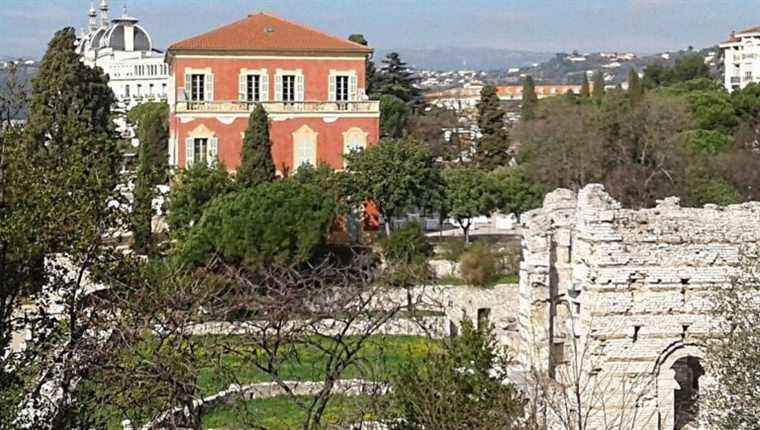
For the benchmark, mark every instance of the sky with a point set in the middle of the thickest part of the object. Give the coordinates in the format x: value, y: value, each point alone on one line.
x: 641, y: 26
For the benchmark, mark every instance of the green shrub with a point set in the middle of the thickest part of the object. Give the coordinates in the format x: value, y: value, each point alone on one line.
x: 406, y: 254
x: 192, y: 191
x: 452, y: 250
x: 283, y: 222
x: 479, y: 266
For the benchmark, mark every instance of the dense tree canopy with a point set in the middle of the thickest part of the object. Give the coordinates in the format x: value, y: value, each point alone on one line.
x: 397, y: 175
x: 470, y: 193
x: 192, y: 191
x: 282, y: 222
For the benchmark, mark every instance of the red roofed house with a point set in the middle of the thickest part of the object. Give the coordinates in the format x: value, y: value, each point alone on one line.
x: 311, y: 84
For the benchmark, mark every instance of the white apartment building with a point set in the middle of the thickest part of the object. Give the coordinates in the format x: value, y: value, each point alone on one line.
x: 741, y: 58
x: 125, y: 52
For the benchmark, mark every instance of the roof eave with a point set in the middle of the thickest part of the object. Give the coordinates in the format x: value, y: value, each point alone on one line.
x: 307, y: 52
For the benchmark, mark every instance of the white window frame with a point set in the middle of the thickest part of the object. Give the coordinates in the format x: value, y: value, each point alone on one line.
x: 354, y: 133
x: 208, y: 84
x: 212, y: 146
x: 298, y: 86
x: 305, y: 142
x: 263, y: 84
x: 353, y: 85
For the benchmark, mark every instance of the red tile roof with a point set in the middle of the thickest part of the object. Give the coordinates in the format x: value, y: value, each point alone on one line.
x: 264, y: 32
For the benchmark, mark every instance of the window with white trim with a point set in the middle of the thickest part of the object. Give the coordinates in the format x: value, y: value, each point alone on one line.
x: 304, y: 147
x: 288, y: 88
x: 341, y: 88
x: 197, y: 87
x: 200, y: 150
x: 354, y: 139
x: 253, y: 88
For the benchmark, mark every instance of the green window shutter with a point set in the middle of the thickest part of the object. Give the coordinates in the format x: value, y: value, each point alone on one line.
x: 189, y: 151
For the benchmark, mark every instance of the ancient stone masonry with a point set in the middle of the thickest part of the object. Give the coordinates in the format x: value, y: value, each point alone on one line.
x: 629, y: 290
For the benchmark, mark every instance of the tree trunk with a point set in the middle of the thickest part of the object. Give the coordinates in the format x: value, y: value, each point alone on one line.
x: 388, y: 227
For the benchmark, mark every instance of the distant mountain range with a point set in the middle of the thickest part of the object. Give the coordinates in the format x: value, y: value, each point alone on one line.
x: 486, y: 59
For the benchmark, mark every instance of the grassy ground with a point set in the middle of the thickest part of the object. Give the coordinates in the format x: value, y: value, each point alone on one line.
x: 380, y: 356
x: 282, y: 413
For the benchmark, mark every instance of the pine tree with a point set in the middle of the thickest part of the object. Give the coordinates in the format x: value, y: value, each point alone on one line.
x: 152, y: 170
x: 597, y: 92
x: 257, y: 165
x: 529, y: 99
x: 585, y: 87
x: 492, y: 149
x: 397, y: 80
x: 635, y: 89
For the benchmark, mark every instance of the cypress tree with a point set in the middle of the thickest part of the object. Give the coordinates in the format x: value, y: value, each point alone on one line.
x: 492, y: 149
x: 257, y: 166
x: 529, y: 99
x: 585, y: 87
x: 152, y: 170
x: 635, y: 89
x: 598, y: 91
x: 72, y: 143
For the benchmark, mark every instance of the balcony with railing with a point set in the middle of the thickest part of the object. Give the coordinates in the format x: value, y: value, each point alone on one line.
x: 237, y: 106
x: 735, y: 80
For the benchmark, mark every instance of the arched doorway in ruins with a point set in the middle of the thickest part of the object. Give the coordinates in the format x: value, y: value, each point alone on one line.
x: 679, y: 378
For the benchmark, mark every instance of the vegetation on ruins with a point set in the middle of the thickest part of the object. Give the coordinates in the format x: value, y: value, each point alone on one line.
x: 256, y: 166
x: 459, y: 385
x: 732, y: 402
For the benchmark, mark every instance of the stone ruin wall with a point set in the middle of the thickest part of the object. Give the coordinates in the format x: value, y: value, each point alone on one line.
x: 634, y: 287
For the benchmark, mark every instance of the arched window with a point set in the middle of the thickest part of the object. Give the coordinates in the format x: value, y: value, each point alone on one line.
x: 354, y: 139
x: 304, y: 147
